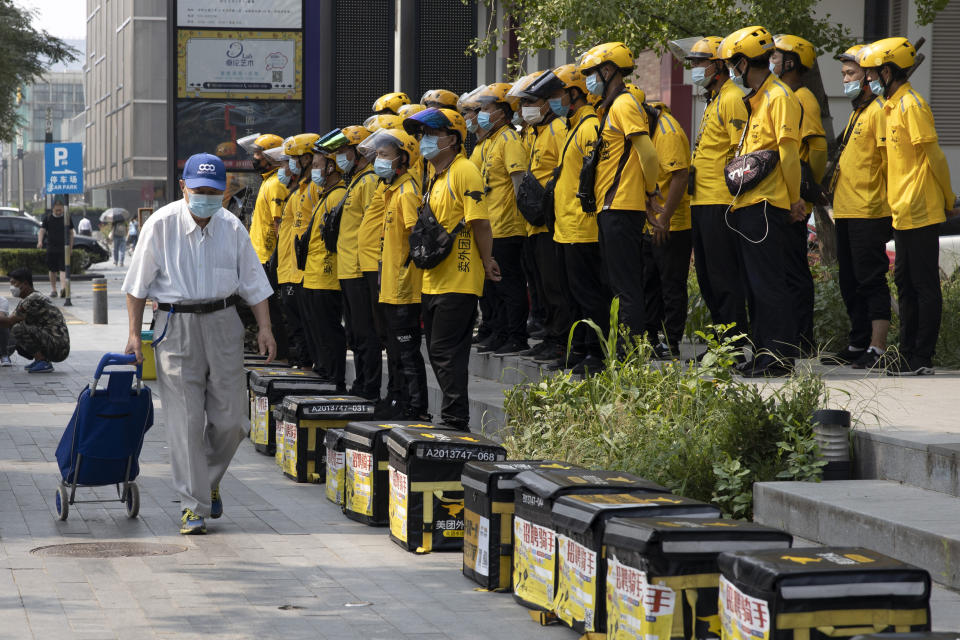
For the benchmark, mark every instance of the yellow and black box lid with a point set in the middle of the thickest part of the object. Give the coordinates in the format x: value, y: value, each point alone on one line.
x: 327, y: 407
x: 367, y: 434
x: 443, y: 446
x: 497, y: 479
x: 549, y: 483
x: 672, y: 535
x: 581, y: 512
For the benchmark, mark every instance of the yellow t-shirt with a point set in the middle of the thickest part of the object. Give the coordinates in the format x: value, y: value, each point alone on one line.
x: 546, y: 144
x: 457, y: 194
x: 370, y: 234
x: 811, y: 124
x: 720, y: 129
x: 269, y: 206
x: 296, y: 214
x: 860, y: 188
x: 399, y: 281
x: 503, y: 155
x: 572, y: 224
x: 673, y: 152
x: 321, y: 268
x: 916, y: 199
x: 619, y: 183
x: 358, y: 197
x: 476, y: 156
x: 774, y: 116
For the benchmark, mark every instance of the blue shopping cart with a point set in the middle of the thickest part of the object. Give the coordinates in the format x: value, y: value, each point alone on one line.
x: 101, y: 444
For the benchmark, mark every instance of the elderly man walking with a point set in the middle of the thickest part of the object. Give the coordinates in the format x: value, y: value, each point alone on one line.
x: 196, y: 260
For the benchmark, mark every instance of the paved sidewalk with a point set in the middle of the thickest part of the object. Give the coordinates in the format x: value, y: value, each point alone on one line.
x: 281, y: 563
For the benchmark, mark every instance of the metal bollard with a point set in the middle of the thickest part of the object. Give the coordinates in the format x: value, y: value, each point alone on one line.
x: 100, y: 301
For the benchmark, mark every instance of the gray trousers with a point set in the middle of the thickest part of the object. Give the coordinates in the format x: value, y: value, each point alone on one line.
x: 203, y: 394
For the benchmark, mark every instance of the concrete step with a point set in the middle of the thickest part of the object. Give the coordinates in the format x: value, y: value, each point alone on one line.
x: 927, y: 460
x: 914, y: 525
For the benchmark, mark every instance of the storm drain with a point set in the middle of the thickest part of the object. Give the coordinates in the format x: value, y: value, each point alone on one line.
x: 108, y: 550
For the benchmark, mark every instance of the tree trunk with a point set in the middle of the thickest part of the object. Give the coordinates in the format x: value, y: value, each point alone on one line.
x: 826, y: 230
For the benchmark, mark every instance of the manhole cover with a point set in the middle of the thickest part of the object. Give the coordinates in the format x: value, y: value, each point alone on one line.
x: 108, y: 550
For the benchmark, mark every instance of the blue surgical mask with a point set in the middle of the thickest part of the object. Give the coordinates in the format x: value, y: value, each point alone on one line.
x: 699, y: 76
x: 383, y: 168
x: 317, y: 176
x: 877, y: 88
x: 483, y: 120
x: 345, y: 163
x: 283, y: 176
x: 517, y: 120
x: 429, y: 147
x: 853, y: 89
x: 294, y: 166
x: 204, y: 205
x: 557, y: 106
x: 472, y: 125
x: 595, y: 84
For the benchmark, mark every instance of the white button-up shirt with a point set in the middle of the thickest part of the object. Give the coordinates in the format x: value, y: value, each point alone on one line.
x: 178, y: 262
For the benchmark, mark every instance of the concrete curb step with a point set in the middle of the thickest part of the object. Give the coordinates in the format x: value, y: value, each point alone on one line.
x: 911, y: 524
x: 922, y: 459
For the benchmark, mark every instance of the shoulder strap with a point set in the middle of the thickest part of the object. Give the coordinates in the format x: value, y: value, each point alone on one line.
x: 800, y: 126
x: 853, y: 123
x: 653, y: 117
x: 573, y: 135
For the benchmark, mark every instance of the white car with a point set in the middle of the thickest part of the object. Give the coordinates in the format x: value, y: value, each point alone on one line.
x: 949, y: 247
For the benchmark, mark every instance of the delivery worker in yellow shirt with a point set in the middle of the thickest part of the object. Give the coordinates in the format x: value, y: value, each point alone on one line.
x: 761, y: 215
x: 626, y: 176
x: 863, y: 220
x: 668, y: 240
x: 298, y: 151
x: 920, y: 198
x: 715, y: 246
x: 792, y: 58
x: 451, y: 289
x: 394, y: 153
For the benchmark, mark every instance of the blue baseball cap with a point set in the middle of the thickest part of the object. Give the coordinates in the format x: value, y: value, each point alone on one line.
x: 205, y: 170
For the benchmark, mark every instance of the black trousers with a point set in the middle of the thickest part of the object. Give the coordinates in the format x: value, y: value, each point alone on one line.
x: 763, y: 248
x: 588, y: 287
x: 508, y: 298
x: 800, y: 283
x: 322, y: 317
x: 403, y: 322
x: 531, y: 272
x: 916, y: 272
x: 448, y: 322
x: 364, y: 341
x: 298, y: 351
x: 621, y: 239
x: 277, y: 322
x: 665, y: 271
x: 558, y: 319
x: 716, y: 258
x: 863, y: 265
x: 372, y: 278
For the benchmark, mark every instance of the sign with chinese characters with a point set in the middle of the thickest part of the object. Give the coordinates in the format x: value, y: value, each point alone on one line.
x: 63, y: 167
x: 246, y: 65
x: 743, y: 617
x: 240, y: 14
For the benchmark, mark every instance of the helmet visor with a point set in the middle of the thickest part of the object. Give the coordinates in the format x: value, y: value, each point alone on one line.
x: 682, y: 49
x: 544, y: 86
x: 377, y: 140
x: 330, y: 142
x: 247, y: 143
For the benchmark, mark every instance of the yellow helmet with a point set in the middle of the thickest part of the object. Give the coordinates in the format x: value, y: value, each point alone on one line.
x: 896, y: 51
x: 355, y: 134
x: 636, y: 92
x: 497, y: 92
x: 751, y: 42
x: 519, y: 88
x: 436, y: 119
x: 382, y: 121
x: 615, y: 52
x: 408, y: 110
x: 795, y: 44
x: 571, y: 77
x: 705, y: 49
x: 396, y: 137
x: 850, y: 55
x: 439, y: 98
x: 390, y: 102
x: 268, y: 141
x: 300, y: 144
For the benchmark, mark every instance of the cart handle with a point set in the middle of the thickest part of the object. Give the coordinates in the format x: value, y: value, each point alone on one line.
x: 111, y: 359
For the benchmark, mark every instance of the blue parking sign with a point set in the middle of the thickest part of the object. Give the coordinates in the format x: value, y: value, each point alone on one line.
x: 63, y: 167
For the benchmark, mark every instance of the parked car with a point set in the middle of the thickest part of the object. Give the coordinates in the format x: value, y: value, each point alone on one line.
x: 21, y: 233
x: 16, y: 213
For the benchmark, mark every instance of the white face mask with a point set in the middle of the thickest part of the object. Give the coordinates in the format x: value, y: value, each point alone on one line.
x: 14, y: 291
x: 532, y: 115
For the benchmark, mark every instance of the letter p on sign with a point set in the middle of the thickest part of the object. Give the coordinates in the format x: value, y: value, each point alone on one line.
x: 59, y: 156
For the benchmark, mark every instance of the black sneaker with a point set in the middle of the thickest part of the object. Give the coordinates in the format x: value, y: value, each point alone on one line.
x: 490, y: 345
x: 550, y: 353
x: 664, y: 351
x: 903, y: 366
x: 847, y: 355
x: 480, y: 337
x: 872, y: 358
x: 512, y: 348
x: 588, y: 366
x: 534, y: 351
x: 765, y: 367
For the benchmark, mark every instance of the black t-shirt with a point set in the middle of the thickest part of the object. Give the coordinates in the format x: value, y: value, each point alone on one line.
x: 54, y: 232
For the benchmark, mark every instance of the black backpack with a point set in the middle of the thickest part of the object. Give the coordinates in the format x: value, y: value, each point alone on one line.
x: 430, y: 242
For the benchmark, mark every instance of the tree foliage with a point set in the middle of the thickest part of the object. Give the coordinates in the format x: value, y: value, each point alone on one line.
x: 26, y: 53
x: 649, y: 24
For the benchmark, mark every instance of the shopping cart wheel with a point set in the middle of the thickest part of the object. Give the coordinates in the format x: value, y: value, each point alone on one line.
x: 63, y: 502
x: 133, y: 500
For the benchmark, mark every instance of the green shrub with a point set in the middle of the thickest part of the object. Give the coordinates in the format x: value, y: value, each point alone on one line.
x: 831, y: 325
x: 700, y: 431
x: 36, y: 260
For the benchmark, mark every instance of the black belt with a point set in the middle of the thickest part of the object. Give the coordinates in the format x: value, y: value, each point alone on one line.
x: 201, y: 307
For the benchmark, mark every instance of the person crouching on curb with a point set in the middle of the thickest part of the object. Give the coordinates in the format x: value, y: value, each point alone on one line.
x: 196, y: 260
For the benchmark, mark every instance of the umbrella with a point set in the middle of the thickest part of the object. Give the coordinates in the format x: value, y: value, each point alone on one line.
x: 114, y: 214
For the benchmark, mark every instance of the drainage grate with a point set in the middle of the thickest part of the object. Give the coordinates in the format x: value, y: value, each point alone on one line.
x: 108, y: 550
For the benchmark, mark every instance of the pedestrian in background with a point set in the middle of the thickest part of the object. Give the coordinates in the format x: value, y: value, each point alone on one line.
x: 132, y: 234
x: 119, y: 237
x: 52, y: 230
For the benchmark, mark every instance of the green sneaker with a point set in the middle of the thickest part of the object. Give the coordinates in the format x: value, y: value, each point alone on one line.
x: 216, y: 504
x: 191, y: 523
